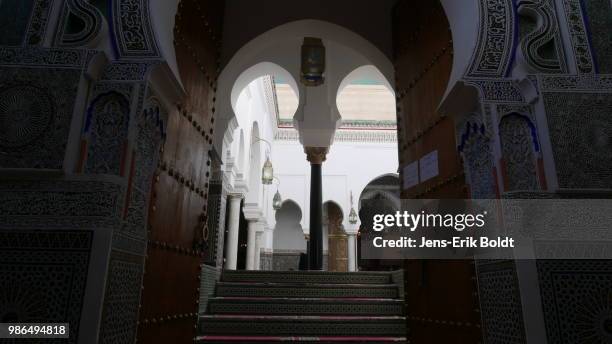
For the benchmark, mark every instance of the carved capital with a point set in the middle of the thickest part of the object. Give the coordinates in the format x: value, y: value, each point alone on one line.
x: 316, y: 155
x: 235, y: 196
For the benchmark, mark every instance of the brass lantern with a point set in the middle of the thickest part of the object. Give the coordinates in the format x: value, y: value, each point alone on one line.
x: 313, y: 62
x: 277, y: 201
x: 352, y: 214
x: 267, y: 172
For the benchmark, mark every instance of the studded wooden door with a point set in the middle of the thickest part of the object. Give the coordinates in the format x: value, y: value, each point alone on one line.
x: 178, y: 211
x: 441, y: 297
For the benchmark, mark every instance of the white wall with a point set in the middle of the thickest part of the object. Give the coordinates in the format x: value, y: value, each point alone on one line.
x: 350, y: 166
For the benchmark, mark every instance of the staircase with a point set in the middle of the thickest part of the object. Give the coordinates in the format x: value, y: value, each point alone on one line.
x: 304, y: 307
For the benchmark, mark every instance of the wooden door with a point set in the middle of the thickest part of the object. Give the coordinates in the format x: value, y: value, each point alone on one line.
x: 178, y: 211
x: 441, y: 296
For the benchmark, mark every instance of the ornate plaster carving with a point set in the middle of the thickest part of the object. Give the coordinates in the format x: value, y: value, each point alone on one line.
x: 495, y: 39
x: 316, y: 155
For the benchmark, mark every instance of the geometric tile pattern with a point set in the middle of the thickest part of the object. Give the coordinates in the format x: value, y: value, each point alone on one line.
x: 36, y: 108
x: 580, y: 129
x: 500, y: 303
x: 43, y: 276
x: 122, y: 299
x: 576, y: 300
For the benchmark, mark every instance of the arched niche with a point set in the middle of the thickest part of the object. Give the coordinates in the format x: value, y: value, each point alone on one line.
x: 108, y: 112
x: 475, y: 148
x: 520, y: 149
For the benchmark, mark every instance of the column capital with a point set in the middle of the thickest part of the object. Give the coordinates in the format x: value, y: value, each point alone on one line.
x: 252, y: 212
x: 258, y: 224
x: 235, y: 195
x: 316, y: 155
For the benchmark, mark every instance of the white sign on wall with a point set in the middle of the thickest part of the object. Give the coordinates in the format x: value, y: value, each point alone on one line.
x: 411, y: 175
x: 428, y: 166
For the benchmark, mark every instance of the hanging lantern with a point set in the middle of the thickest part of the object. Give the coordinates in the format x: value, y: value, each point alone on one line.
x: 313, y: 62
x: 352, y: 213
x: 352, y: 216
x: 267, y: 172
x: 277, y: 201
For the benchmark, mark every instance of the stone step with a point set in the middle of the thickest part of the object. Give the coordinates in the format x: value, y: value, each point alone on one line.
x: 284, y: 325
x: 305, y: 306
x: 252, y: 289
x: 296, y: 339
x: 319, y: 277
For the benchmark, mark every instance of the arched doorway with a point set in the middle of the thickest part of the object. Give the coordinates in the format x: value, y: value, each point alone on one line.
x: 380, y: 196
x: 289, y: 240
x: 242, y: 239
x: 337, y: 242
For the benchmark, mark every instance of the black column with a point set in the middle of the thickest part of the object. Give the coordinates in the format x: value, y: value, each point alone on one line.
x: 315, y: 248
